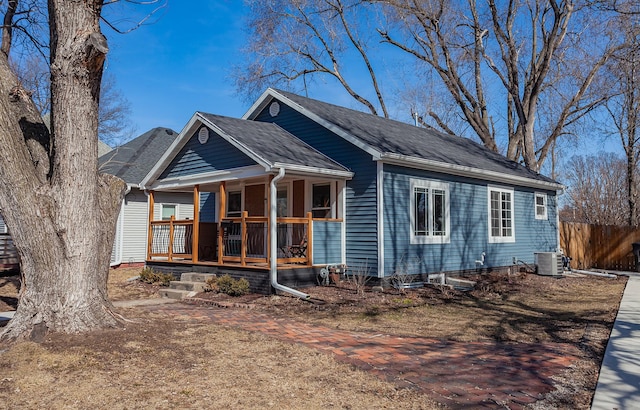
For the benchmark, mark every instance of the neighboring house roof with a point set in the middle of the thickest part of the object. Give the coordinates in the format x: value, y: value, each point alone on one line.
x: 103, y: 148
x: 406, y: 144
x: 133, y: 160
x: 265, y: 142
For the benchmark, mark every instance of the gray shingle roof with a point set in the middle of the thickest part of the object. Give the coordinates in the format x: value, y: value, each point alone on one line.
x: 394, y: 137
x: 133, y: 160
x: 272, y: 143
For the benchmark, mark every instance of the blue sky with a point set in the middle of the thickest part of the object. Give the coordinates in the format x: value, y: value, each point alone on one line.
x: 179, y: 63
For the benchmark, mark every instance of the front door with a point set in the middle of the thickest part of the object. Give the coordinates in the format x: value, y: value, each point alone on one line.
x: 254, y: 200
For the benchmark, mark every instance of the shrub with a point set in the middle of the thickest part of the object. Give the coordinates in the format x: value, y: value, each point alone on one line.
x: 226, y: 284
x: 211, y: 284
x: 360, y: 277
x: 148, y: 275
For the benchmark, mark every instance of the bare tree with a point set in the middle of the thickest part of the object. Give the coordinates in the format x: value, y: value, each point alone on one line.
x: 596, y: 190
x: 61, y: 211
x: 297, y: 40
x: 532, y: 48
x: 519, y: 73
x: 624, y: 107
x: 114, y: 123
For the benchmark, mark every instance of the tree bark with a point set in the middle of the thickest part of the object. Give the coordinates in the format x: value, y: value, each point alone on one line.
x: 60, y: 210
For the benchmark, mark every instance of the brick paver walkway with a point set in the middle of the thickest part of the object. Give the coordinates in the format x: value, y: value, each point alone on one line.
x: 458, y: 374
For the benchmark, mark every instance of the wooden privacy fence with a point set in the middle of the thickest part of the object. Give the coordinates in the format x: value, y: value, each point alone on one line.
x: 599, y: 246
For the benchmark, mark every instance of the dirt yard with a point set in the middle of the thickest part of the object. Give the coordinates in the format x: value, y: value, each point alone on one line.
x: 159, y: 363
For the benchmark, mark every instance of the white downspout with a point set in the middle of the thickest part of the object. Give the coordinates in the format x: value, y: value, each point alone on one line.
x: 273, y: 235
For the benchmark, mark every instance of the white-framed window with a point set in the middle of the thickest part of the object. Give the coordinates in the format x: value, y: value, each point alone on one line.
x: 501, y: 216
x: 168, y: 210
x: 234, y: 204
x: 321, y: 200
x: 541, y: 205
x: 430, y: 216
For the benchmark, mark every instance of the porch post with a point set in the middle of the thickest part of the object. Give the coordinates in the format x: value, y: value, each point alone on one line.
x: 244, y: 237
x: 170, y: 258
x: 309, y: 239
x: 221, y: 214
x: 150, y: 233
x: 196, y: 224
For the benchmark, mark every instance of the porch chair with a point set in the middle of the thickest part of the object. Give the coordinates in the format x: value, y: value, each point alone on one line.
x: 296, y: 251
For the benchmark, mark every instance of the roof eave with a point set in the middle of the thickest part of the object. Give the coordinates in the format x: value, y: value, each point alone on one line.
x: 207, y: 178
x: 308, y: 170
x: 470, y: 172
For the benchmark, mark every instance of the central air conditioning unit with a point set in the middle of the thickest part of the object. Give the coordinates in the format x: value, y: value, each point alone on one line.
x: 548, y: 263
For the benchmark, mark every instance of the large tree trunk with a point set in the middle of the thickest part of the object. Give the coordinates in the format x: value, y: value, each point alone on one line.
x: 61, y: 212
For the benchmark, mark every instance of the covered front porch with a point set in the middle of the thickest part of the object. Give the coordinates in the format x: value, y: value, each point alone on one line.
x: 231, y: 225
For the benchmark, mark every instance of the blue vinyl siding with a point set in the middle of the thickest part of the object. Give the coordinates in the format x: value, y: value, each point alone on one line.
x: 469, y: 226
x: 208, y: 207
x: 195, y: 158
x: 361, y: 204
x: 327, y: 245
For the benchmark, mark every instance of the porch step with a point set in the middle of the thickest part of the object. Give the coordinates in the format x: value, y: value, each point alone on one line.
x: 189, y: 285
x: 194, y: 286
x: 195, y: 277
x: 177, y: 294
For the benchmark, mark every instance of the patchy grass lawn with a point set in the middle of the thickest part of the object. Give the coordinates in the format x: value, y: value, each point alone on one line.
x: 164, y: 365
x: 157, y: 363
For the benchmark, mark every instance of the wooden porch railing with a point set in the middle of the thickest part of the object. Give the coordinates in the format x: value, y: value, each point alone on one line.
x: 246, y: 239
x: 243, y: 239
x: 240, y: 240
x: 172, y: 239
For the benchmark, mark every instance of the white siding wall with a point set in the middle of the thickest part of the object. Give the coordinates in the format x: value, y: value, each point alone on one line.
x: 116, y: 248
x: 134, y: 241
x: 183, y: 200
x: 135, y: 233
x: 3, y: 227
